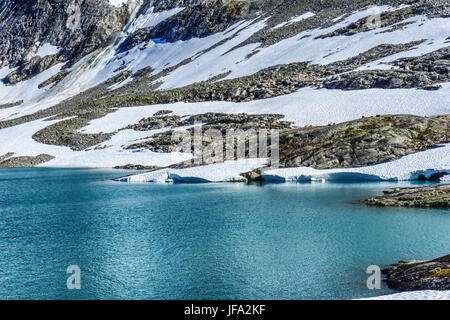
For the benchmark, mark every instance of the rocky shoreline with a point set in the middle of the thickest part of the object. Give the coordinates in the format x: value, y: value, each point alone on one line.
x: 434, y: 196
x: 419, y: 275
x: 358, y: 143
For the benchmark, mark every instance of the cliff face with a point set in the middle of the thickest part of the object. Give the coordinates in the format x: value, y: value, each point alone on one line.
x: 195, y: 21
x: 76, y: 27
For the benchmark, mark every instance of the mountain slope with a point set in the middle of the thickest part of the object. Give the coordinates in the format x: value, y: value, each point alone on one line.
x: 76, y: 95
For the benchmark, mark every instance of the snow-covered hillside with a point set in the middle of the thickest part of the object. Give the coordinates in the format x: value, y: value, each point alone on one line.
x: 134, y: 75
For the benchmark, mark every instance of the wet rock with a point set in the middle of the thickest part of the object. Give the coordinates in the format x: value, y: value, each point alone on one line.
x: 254, y: 176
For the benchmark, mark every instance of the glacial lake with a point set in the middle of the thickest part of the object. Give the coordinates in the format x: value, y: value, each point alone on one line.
x: 201, y: 241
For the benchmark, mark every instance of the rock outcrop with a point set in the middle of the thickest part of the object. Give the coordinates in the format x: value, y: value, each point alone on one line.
x: 77, y: 28
x: 434, y: 196
x: 196, y: 21
x: 24, y: 161
x: 419, y: 275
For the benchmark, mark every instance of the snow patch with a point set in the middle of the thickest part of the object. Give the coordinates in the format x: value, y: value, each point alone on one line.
x: 306, y: 46
x: 295, y: 19
x: 100, y: 66
x: 47, y: 49
x: 5, y: 71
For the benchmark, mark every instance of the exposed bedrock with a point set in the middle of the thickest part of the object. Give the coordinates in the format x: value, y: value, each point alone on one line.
x: 362, y: 142
x: 356, y: 143
x: 419, y: 275
x: 434, y: 196
x: 196, y: 21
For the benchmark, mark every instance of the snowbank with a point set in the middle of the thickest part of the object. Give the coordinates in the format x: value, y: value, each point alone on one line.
x: 151, y: 18
x: 228, y: 171
x: 407, y: 168
x: 27, y: 90
x: 305, y: 107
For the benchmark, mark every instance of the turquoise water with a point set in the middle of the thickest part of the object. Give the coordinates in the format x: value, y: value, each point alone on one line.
x: 203, y: 241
